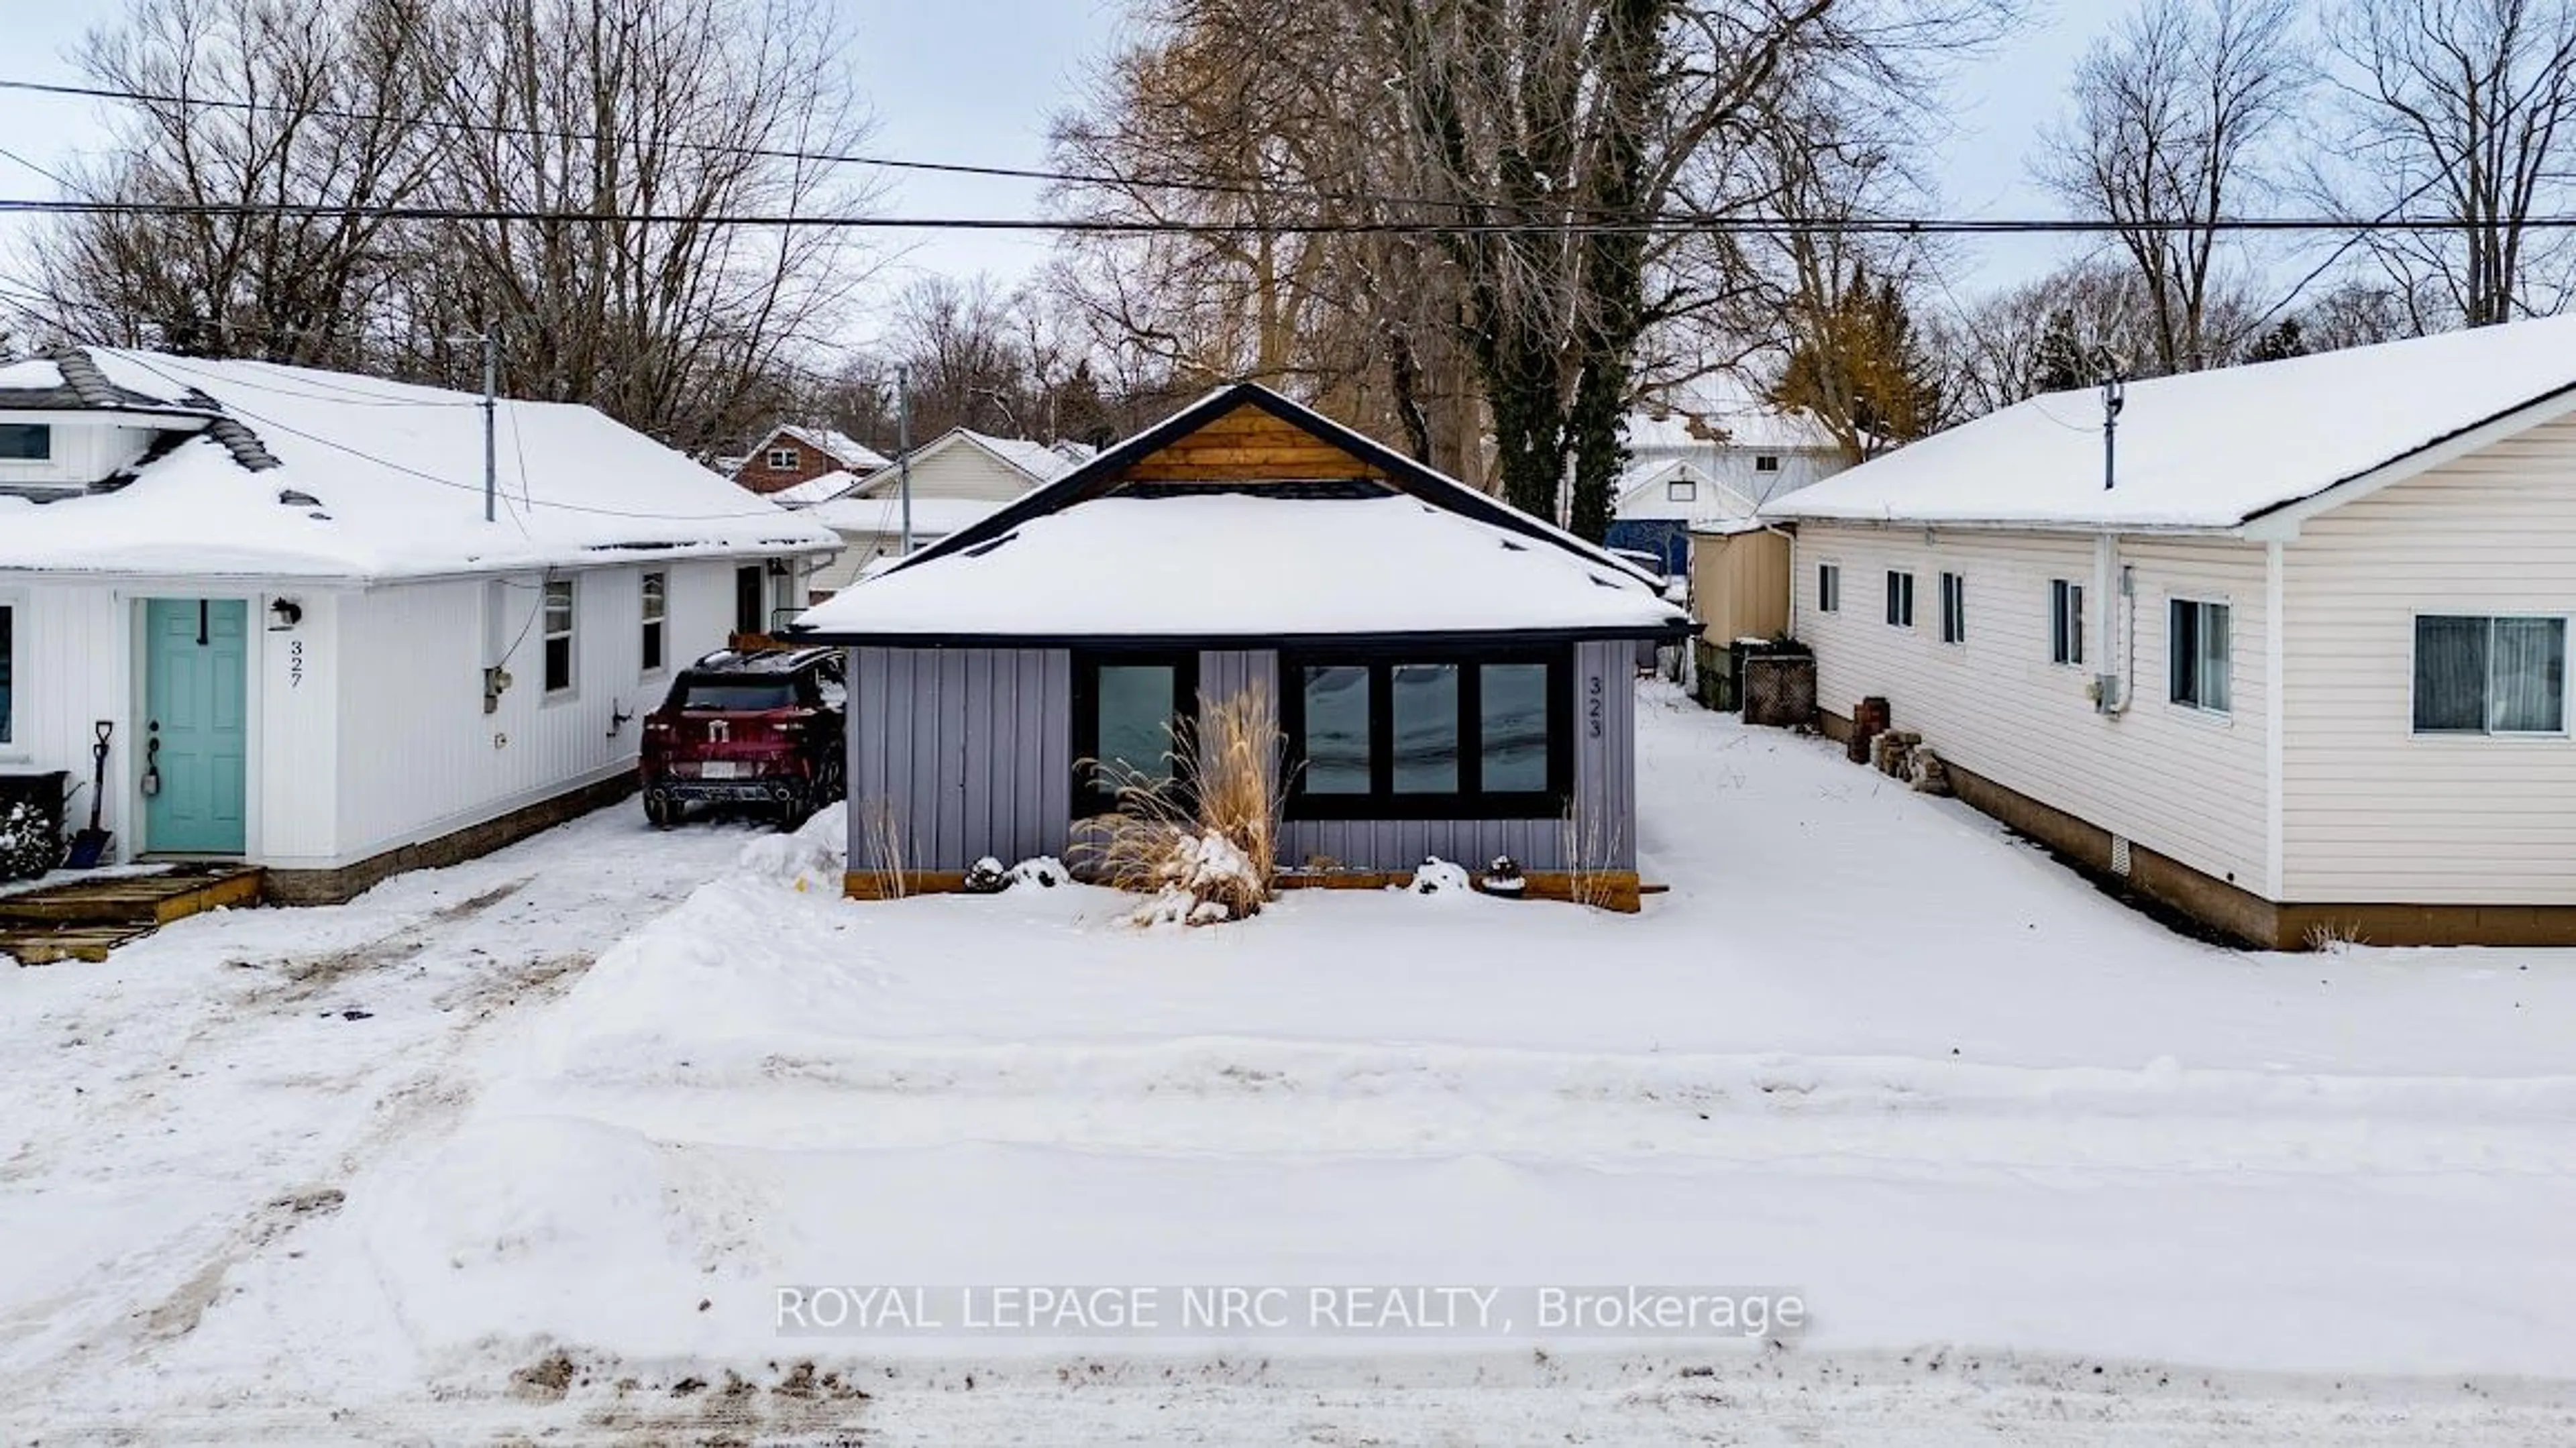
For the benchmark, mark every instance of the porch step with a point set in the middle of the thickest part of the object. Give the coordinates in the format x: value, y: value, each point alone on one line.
x: 84, y: 919
x: 51, y: 944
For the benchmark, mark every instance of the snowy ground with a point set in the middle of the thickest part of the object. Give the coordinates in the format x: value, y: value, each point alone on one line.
x: 528, y: 1147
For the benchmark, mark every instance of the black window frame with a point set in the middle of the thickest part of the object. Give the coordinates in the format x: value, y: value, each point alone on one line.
x: 1900, y: 598
x: 1090, y: 798
x: 1766, y: 462
x: 42, y: 432
x: 1954, y: 607
x: 1471, y: 801
x: 1681, y: 490
x: 1829, y: 588
x: 2066, y: 622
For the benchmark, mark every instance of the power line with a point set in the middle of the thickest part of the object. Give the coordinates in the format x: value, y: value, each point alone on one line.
x: 1655, y: 224
x: 716, y: 148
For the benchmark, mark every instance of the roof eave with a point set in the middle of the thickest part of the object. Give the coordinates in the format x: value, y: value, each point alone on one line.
x: 1676, y: 627
x: 2087, y: 526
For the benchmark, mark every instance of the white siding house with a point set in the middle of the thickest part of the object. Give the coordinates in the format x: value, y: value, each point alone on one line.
x: 310, y: 648
x: 2386, y: 539
x: 1740, y: 442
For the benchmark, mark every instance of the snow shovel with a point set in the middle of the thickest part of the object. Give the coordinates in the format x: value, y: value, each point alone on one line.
x: 89, y: 847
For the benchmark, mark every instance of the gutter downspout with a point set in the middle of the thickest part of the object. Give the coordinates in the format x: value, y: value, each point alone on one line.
x: 2110, y: 686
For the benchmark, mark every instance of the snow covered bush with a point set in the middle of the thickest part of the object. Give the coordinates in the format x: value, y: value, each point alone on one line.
x: 815, y: 857
x: 1204, y: 843
x: 28, y: 846
x: 1045, y: 872
x: 1438, y: 877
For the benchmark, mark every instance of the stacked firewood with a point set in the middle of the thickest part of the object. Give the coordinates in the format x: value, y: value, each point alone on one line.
x: 1902, y: 754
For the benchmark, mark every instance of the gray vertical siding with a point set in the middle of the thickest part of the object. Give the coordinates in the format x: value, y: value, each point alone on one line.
x: 969, y: 747
x: 972, y: 748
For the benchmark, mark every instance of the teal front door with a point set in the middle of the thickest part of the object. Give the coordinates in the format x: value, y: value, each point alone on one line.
x: 196, y: 735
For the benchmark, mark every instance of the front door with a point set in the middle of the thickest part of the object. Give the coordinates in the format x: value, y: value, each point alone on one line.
x: 196, y: 736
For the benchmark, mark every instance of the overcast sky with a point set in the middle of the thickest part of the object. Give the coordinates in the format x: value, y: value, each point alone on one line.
x: 976, y: 80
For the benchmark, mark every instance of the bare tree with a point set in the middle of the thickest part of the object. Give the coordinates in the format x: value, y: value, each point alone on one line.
x: 1224, y: 112
x: 2462, y: 108
x: 634, y: 127
x: 624, y: 133
x: 2060, y: 330
x: 2172, y: 114
x: 339, y: 96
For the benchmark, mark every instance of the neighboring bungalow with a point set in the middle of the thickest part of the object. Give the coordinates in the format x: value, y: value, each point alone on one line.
x: 277, y: 591
x: 958, y: 478
x: 791, y: 455
x: 1453, y: 677
x: 1661, y: 500
x: 2300, y: 670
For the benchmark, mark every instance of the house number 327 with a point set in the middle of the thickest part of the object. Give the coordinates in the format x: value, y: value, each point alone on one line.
x: 295, y: 664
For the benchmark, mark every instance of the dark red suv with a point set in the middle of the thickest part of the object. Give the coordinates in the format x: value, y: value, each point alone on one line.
x: 762, y: 730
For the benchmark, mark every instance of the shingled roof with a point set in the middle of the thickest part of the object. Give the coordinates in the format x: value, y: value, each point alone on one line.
x: 84, y: 387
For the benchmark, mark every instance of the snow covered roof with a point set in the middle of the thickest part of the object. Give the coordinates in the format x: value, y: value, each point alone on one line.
x: 1040, y: 463
x: 1721, y: 411
x: 300, y: 473
x: 1232, y: 565
x: 840, y: 447
x: 1359, y: 541
x: 1645, y: 493
x: 2214, y: 450
x: 931, y: 517
x: 815, y: 490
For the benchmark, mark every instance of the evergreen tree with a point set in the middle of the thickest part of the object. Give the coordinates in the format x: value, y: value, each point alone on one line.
x: 2062, y: 362
x: 2285, y: 340
x: 1860, y: 368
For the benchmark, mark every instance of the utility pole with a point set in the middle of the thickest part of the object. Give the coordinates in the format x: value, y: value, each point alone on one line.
x: 491, y: 408
x: 2115, y: 395
x: 903, y: 449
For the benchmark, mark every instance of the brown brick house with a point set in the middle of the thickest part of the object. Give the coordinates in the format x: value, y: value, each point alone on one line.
x: 793, y: 454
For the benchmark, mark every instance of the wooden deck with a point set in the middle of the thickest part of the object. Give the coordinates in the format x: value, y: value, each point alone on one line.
x: 85, y: 919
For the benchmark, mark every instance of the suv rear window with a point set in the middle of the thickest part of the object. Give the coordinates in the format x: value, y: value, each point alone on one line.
x: 737, y: 695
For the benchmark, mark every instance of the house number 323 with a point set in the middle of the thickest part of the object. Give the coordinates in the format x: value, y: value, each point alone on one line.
x: 295, y: 664
x: 1592, y: 706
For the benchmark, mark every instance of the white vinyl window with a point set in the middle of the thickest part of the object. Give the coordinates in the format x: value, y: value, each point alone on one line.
x: 1829, y: 588
x: 1900, y: 598
x: 1681, y: 490
x: 559, y: 635
x: 2065, y: 621
x: 655, y: 611
x: 2197, y: 654
x: 784, y: 459
x: 1954, y: 608
x: 2481, y: 674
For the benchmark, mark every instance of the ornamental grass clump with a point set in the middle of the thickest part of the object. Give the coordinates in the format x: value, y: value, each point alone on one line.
x: 1201, y: 844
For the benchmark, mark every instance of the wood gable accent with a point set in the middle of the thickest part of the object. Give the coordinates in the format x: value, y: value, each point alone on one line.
x: 1245, y: 433
x: 1247, y: 444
